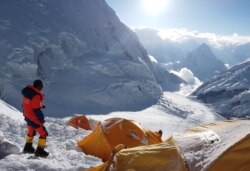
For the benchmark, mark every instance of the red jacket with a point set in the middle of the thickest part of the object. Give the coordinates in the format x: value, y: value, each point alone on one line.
x: 32, y: 104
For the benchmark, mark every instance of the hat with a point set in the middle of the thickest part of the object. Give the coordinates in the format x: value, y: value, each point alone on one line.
x: 38, y: 83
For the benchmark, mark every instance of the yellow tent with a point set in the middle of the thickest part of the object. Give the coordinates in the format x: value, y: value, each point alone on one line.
x: 221, y: 146
x: 113, y: 132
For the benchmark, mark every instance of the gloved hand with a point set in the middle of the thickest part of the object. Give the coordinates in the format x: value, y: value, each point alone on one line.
x: 43, y: 106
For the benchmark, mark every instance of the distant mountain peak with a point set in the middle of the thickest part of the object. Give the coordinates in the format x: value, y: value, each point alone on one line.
x: 204, y: 45
x: 203, y: 62
x: 203, y: 50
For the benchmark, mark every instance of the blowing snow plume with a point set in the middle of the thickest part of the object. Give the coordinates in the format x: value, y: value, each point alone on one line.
x: 191, y: 82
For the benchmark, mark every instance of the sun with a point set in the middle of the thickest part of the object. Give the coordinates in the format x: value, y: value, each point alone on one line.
x: 155, y: 6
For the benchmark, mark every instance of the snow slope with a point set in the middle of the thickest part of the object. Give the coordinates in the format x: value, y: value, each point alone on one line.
x: 64, y: 155
x: 85, y: 55
x: 229, y: 91
x: 173, y: 113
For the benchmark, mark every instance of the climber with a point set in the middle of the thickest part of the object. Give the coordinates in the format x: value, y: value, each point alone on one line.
x: 32, y: 104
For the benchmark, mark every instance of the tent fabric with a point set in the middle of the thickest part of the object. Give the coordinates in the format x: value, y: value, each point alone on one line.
x: 102, y: 167
x: 203, y: 145
x: 157, y: 157
x: 106, y: 165
x: 81, y: 121
x: 220, y: 146
x: 160, y: 157
x: 113, y: 132
x: 236, y: 157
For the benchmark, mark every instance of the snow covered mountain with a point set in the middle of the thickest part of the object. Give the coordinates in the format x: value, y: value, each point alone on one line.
x: 242, y: 52
x: 172, y: 113
x: 191, y: 53
x: 89, y: 60
x: 171, y: 45
x: 163, y: 50
x: 229, y: 91
x: 203, y: 63
x: 233, y: 54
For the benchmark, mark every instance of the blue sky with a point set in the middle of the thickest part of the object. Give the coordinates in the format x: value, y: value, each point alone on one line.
x: 223, y: 17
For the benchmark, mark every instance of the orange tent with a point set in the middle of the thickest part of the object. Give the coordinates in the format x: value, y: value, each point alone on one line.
x: 81, y: 121
x: 113, y: 132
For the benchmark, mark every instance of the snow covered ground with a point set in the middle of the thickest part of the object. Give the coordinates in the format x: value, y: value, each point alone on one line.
x: 173, y: 113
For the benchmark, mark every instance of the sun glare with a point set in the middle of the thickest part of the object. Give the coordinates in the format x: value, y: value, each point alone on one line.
x: 155, y: 6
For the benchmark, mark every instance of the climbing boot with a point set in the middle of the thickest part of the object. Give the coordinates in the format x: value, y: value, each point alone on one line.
x: 28, y: 148
x: 40, y: 152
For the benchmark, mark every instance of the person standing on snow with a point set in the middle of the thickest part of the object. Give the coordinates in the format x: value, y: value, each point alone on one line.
x: 32, y: 104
